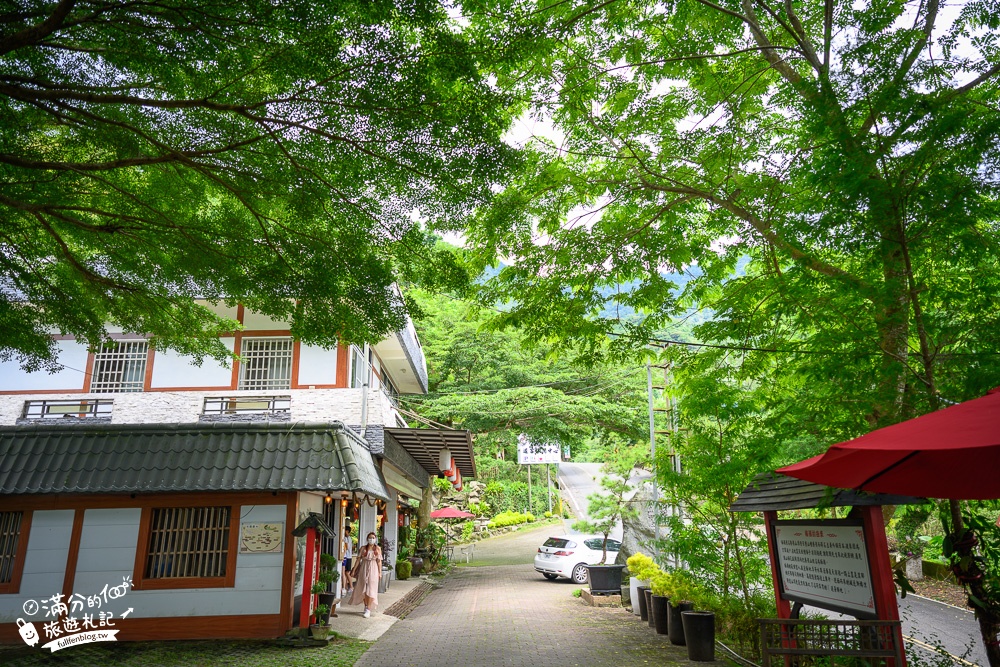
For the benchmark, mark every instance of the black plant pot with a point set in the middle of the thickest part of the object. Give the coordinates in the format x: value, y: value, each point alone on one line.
x: 643, y: 609
x: 648, y: 593
x: 699, y: 633
x: 329, y: 599
x: 676, y: 631
x: 661, y: 615
x: 605, y: 579
x: 418, y: 565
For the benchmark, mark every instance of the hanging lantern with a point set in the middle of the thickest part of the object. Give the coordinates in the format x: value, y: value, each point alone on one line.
x: 400, y: 521
x: 444, y: 459
x: 451, y: 473
x: 457, y: 484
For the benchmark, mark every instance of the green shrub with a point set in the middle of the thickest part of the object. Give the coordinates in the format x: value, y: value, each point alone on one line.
x: 403, y: 569
x: 467, y: 529
x: 578, y: 592
x: 509, y: 519
x: 642, y: 566
x: 442, y: 485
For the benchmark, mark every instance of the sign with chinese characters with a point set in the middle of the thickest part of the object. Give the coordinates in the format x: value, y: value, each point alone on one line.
x: 261, y: 538
x: 529, y: 452
x: 825, y: 564
x: 74, y: 620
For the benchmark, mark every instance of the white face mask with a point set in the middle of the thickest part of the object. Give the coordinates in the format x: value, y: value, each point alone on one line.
x: 371, y: 540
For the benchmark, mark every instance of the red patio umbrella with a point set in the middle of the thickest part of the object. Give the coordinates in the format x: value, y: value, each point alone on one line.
x: 450, y: 513
x: 951, y: 453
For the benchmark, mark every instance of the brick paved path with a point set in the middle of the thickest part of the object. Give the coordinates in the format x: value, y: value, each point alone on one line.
x: 509, y: 616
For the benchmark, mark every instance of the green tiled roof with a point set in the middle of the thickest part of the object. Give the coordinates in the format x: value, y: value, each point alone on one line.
x: 148, y: 458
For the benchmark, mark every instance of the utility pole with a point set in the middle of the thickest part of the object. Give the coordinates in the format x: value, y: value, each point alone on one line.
x: 652, y: 452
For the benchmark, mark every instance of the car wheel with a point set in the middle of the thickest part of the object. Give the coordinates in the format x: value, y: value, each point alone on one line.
x: 580, y: 574
x: 549, y: 575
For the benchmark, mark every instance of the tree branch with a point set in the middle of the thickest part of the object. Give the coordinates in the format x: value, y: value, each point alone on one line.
x: 38, y: 32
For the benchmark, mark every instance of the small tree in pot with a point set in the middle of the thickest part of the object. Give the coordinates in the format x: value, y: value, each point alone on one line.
x: 605, y: 510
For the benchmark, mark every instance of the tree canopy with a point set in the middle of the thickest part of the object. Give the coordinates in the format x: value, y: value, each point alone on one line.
x: 847, y: 154
x: 272, y: 154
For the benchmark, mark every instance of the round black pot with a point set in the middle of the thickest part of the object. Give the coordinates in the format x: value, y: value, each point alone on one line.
x: 648, y: 593
x: 699, y: 633
x: 605, y: 579
x: 418, y: 565
x: 676, y: 630
x: 643, y: 609
x: 329, y: 599
x: 661, y: 614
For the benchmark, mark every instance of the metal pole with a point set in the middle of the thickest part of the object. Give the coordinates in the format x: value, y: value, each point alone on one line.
x: 652, y: 452
x: 548, y: 484
x: 529, y: 488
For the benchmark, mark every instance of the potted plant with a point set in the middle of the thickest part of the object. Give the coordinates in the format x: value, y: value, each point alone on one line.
x: 321, y: 629
x: 661, y: 589
x: 699, y: 634
x: 329, y: 574
x: 682, y: 594
x: 605, y: 511
x: 642, y: 568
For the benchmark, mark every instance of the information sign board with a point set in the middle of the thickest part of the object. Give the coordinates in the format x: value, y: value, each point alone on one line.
x: 529, y: 452
x: 825, y: 564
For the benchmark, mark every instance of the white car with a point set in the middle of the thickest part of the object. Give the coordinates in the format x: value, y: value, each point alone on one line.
x: 569, y: 556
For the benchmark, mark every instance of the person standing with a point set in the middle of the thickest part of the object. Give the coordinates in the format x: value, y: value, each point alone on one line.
x: 348, y: 551
x: 367, y: 572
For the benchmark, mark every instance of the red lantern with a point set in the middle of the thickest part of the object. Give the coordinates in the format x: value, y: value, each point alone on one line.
x: 400, y: 519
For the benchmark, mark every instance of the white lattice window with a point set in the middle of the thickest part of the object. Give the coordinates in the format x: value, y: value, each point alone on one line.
x: 358, y: 367
x: 267, y: 363
x: 120, y: 367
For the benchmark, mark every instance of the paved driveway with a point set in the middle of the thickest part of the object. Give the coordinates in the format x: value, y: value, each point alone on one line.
x: 508, y: 615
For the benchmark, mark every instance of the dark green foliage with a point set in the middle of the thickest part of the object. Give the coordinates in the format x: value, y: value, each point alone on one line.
x: 271, y: 154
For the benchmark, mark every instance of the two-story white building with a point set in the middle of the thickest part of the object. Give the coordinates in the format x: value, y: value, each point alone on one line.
x: 135, y: 464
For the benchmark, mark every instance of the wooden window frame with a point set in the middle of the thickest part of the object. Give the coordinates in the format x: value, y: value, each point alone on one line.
x: 14, y: 585
x: 141, y: 582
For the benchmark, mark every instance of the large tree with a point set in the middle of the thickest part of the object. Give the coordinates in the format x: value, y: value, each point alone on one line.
x: 826, y: 171
x: 274, y: 154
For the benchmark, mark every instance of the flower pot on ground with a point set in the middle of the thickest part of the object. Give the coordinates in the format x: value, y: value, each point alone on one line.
x: 633, y: 592
x: 648, y: 593
x: 699, y: 635
x: 319, y: 631
x: 605, y: 579
x: 661, y: 613
x: 675, y: 627
x: 641, y: 597
x: 418, y: 565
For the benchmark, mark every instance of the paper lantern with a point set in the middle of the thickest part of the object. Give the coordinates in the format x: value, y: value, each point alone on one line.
x: 444, y: 459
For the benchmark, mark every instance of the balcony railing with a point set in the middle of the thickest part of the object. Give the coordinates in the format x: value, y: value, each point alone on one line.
x: 62, y: 409
x: 247, y: 405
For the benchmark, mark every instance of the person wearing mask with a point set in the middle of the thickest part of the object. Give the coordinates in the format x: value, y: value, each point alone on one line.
x: 347, y: 547
x: 367, y: 572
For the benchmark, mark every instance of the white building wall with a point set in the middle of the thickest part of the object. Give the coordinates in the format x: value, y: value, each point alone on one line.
x: 155, y: 407
x: 44, y: 563
x: 316, y: 365
x: 175, y: 370
x: 107, y: 555
x: 73, y: 357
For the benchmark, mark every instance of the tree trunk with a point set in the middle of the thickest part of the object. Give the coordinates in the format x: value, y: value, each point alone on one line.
x: 970, y: 575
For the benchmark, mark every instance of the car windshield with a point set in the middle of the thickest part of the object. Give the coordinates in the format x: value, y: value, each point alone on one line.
x: 559, y: 543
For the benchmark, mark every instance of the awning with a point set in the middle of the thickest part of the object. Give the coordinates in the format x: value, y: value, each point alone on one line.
x: 424, y: 444
x: 163, y: 458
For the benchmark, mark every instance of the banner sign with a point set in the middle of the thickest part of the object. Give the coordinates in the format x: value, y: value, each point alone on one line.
x: 825, y: 564
x: 529, y: 452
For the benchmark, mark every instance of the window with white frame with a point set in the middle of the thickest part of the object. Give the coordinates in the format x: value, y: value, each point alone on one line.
x: 359, y: 366
x: 266, y: 363
x: 120, y: 367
